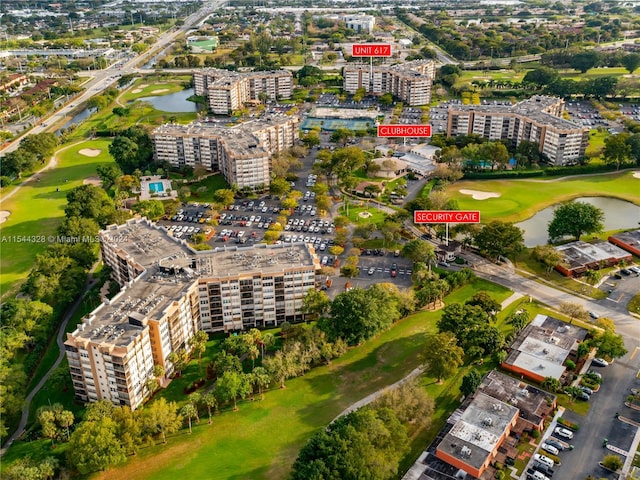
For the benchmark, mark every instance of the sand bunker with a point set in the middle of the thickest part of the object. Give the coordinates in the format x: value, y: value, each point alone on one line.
x: 478, y: 195
x: 136, y: 90
x: 636, y: 174
x: 92, y: 181
x: 162, y: 90
x: 90, y: 152
x: 4, y: 214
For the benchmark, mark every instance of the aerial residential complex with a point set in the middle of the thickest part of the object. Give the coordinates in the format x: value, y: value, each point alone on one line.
x: 241, y: 153
x: 538, y: 119
x: 227, y: 91
x: 410, y: 82
x: 169, y: 292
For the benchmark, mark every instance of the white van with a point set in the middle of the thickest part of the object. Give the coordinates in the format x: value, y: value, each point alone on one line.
x: 549, y: 448
x: 543, y: 459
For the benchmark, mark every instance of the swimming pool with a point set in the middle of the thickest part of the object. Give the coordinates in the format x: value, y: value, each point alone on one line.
x: 156, y: 187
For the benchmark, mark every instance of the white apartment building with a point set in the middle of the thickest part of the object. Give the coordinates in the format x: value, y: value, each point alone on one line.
x: 241, y: 153
x: 538, y: 119
x: 360, y: 23
x: 227, y: 91
x: 177, y: 292
x: 410, y: 82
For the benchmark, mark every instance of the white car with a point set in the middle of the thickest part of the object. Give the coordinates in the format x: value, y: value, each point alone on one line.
x: 549, y: 448
x: 599, y: 362
x: 563, y: 432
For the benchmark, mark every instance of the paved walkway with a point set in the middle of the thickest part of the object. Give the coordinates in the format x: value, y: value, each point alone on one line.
x: 60, y: 339
x: 370, y: 398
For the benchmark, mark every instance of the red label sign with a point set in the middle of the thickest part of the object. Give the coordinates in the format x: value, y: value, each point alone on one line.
x: 446, y: 216
x: 371, y: 50
x: 404, y: 130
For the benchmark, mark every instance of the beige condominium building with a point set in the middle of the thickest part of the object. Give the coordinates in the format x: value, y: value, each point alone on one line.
x: 538, y: 119
x: 241, y: 153
x: 169, y: 292
x: 227, y: 91
x: 410, y: 82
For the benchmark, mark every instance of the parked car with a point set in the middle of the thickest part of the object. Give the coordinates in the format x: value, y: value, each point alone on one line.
x: 538, y: 457
x: 599, y: 362
x: 371, y: 270
x: 563, y: 432
x: 556, y: 444
x: 394, y: 269
x: 594, y: 315
x: 549, y: 448
x: 626, y: 272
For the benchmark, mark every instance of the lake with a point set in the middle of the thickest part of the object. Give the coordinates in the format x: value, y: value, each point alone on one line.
x: 173, y: 102
x: 618, y: 214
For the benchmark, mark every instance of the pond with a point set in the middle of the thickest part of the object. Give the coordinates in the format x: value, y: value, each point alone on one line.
x: 173, y: 102
x: 618, y: 214
x: 76, y: 119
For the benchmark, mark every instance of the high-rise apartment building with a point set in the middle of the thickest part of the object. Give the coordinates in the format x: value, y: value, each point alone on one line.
x: 241, y: 153
x: 227, y: 91
x: 169, y: 292
x: 538, y: 119
x: 410, y: 82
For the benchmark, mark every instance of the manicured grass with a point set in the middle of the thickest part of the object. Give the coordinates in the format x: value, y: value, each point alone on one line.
x: 521, y: 199
x: 211, y: 183
x: 377, y: 216
x: 263, y: 438
x: 596, y: 142
x: 578, y: 406
x: 37, y: 209
x: 527, y: 263
x: 594, y: 73
x: 469, y: 76
x: 634, y: 304
x: 146, y: 87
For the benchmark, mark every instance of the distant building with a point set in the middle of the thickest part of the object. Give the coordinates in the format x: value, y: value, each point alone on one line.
x: 630, y: 241
x: 582, y: 256
x: 541, y: 349
x: 228, y: 91
x: 410, y: 82
x: 538, y: 119
x: 169, y: 292
x: 242, y: 153
x: 360, y: 23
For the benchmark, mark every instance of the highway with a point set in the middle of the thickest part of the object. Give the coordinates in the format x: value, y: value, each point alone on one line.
x: 101, y: 79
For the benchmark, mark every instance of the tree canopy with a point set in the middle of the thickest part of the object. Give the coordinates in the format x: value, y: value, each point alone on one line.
x: 499, y: 238
x: 575, y: 219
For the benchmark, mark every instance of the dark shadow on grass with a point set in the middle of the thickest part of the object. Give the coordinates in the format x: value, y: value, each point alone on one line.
x: 383, y: 366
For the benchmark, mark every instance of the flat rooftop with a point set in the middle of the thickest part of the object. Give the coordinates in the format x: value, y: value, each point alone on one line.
x: 542, y: 346
x: 170, y: 268
x: 578, y: 254
x: 479, y: 429
x: 532, y: 108
x: 631, y: 238
x: 531, y: 401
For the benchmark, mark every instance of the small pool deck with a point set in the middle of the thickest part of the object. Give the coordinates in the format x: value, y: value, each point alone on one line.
x: 156, y: 188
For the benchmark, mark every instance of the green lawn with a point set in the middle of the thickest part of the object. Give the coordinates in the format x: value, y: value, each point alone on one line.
x: 377, y: 216
x: 211, y: 184
x: 37, y: 209
x: 521, y: 199
x: 596, y: 142
x: 252, y: 443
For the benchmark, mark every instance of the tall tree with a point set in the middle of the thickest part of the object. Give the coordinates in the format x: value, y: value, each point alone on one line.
x: 224, y: 196
x: 616, y: 150
x: 631, y: 62
x: 189, y: 411
x: 211, y: 402
x: 442, y: 355
x: 89, y: 201
x: 575, y: 219
x: 548, y: 256
x: 198, y: 343
x: 470, y: 382
x: 231, y: 386
x: 518, y: 319
x: 94, y: 446
x: 499, y: 238
x: 419, y: 251
x: 574, y: 311
x: 261, y: 379
x: 161, y: 418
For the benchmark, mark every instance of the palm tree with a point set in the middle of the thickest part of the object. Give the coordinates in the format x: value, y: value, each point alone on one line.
x: 189, y: 411
x: 195, y: 398
x: 211, y: 402
x: 261, y: 379
x: 253, y: 354
x: 65, y: 418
